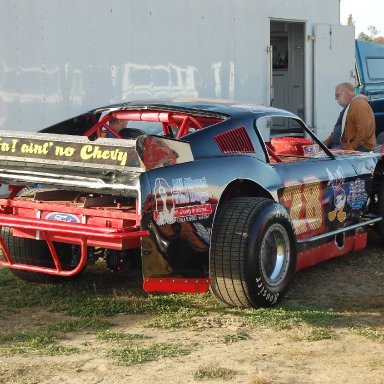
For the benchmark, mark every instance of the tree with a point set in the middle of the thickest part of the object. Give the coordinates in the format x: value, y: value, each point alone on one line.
x: 363, y: 36
x: 373, y: 31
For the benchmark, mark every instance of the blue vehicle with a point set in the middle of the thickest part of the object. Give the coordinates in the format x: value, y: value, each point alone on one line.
x: 370, y: 78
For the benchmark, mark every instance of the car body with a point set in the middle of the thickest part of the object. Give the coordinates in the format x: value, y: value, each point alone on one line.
x: 217, y: 195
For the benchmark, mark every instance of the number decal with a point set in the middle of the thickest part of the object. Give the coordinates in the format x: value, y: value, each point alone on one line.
x: 292, y: 193
x: 312, y: 197
x: 304, y: 203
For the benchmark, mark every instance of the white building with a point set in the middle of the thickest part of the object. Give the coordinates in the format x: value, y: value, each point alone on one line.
x: 60, y: 58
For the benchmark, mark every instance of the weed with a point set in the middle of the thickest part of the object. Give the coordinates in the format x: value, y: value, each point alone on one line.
x: 280, y: 318
x: 369, y: 333
x: 233, y: 338
x: 176, y: 318
x: 320, y: 333
x: 214, y: 373
x: 142, y: 354
x: 27, y: 343
x: 119, y: 336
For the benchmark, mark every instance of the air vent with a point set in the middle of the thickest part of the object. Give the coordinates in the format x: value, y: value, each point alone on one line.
x: 235, y: 141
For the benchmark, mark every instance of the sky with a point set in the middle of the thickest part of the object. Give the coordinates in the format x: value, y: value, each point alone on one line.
x: 364, y: 14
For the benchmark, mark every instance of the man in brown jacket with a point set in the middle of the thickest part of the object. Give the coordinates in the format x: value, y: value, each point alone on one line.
x: 355, y: 128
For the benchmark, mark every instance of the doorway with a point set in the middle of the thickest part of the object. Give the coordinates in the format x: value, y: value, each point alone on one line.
x: 287, y: 66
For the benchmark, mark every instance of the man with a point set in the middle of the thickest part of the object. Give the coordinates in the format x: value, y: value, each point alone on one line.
x: 117, y: 125
x: 355, y: 128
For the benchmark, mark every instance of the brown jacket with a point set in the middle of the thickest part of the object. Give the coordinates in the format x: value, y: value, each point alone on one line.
x: 360, y: 129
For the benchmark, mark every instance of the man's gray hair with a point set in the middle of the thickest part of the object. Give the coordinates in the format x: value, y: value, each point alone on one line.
x: 346, y: 87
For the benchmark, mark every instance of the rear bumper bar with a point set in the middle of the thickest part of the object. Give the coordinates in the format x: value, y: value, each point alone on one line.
x: 75, y: 233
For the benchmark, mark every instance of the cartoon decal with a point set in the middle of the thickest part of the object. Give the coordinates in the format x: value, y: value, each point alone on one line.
x: 304, y: 202
x: 357, y: 196
x: 172, y: 202
x: 165, y: 206
x: 336, y: 182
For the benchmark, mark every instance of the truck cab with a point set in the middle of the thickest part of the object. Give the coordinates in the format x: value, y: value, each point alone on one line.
x: 370, y: 78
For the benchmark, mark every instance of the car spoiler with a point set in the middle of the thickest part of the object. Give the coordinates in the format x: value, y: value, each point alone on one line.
x: 75, y: 162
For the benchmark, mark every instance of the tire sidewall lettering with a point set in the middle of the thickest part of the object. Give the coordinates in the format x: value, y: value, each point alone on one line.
x: 272, y: 214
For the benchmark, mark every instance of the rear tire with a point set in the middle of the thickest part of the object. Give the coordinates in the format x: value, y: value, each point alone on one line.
x: 28, y: 251
x: 36, y: 252
x: 253, y: 253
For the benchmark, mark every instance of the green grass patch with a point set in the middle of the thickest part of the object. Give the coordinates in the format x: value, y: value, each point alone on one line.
x: 320, y: 333
x: 29, y: 338
x: 111, y: 336
x: 214, y: 373
x: 281, y: 318
x: 176, y: 318
x: 369, y: 333
x: 235, y: 337
x: 43, y: 341
x: 33, y: 343
x: 142, y: 354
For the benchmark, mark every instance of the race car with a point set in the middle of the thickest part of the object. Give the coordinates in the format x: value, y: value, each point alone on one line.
x: 217, y: 195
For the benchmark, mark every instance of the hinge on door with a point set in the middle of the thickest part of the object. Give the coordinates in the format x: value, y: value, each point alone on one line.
x: 269, y: 49
x: 311, y: 37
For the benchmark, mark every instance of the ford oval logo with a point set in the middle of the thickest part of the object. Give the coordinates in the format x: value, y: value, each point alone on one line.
x: 59, y: 216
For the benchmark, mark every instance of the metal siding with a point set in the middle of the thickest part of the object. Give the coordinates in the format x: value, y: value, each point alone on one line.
x: 334, y: 58
x: 60, y: 58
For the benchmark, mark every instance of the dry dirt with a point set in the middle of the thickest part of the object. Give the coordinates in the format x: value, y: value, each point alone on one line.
x: 352, y: 285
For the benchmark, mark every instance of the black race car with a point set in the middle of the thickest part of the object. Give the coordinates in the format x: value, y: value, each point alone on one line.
x: 216, y: 195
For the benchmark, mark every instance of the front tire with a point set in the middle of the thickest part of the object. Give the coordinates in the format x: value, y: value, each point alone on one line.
x: 253, y: 253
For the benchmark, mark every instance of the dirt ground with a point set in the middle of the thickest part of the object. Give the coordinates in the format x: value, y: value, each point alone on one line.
x: 352, y: 285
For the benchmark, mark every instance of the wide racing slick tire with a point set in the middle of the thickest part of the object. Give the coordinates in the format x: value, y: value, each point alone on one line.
x: 31, y: 252
x: 253, y: 253
x: 36, y: 252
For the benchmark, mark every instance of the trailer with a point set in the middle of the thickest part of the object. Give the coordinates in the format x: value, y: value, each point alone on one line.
x: 61, y: 58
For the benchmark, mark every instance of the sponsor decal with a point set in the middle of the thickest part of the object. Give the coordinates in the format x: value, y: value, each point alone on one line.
x: 313, y: 150
x: 184, y: 200
x: 60, y: 216
x: 357, y: 196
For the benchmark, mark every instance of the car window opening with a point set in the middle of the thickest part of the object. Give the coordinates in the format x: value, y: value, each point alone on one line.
x: 169, y: 124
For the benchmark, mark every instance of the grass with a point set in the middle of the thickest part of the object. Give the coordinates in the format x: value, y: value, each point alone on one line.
x: 320, y: 333
x: 142, y: 354
x: 111, y: 336
x: 214, y: 373
x: 89, y: 305
x: 369, y: 333
x: 27, y: 343
x: 287, y: 318
x: 235, y: 337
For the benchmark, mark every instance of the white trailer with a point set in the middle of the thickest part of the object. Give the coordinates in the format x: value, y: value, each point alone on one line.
x: 61, y: 58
